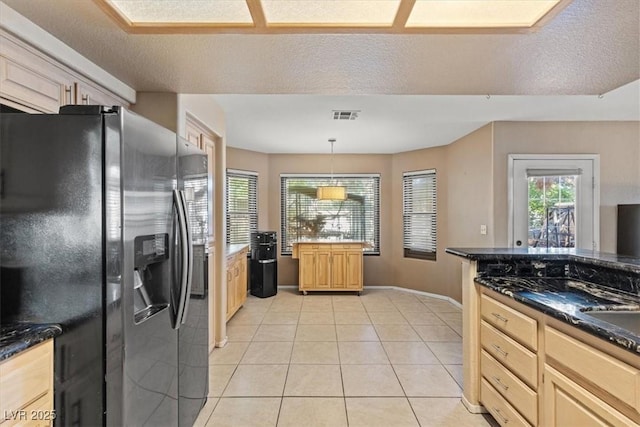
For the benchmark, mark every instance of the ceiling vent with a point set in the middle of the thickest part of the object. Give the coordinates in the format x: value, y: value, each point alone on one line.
x: 345, y: 114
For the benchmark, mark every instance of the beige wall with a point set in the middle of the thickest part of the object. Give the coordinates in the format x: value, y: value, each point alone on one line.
x: 423, y: 275
x: 256, y: 162
x: 160, y: 107
x: 377, y: 269
x: 463, y: 176
x: 617, y: 143
x: 469, y: 201
x: 472, y: 191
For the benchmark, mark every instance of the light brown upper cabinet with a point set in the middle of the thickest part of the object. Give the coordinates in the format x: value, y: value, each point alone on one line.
x: 36, y: 83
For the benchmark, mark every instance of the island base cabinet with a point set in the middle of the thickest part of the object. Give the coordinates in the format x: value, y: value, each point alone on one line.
x: 329, y: 266
x: 567, y: 404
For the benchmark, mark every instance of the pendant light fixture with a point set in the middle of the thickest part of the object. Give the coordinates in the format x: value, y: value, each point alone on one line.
x: 332, y: 191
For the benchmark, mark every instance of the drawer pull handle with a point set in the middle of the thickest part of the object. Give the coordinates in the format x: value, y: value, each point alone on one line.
x: 499, y: 350
x: 499, y: 317
x: 501, y: 417
x: 502, y: 385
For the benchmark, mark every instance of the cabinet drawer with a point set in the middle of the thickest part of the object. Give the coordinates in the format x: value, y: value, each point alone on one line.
x: 611, y: 375
x: 499, y: 408
x: 511, y: 388
x: 342, y: 246
x: 518, y: 326
x: 25, y: 377
x: 38, y: 414
x: 514, y: 356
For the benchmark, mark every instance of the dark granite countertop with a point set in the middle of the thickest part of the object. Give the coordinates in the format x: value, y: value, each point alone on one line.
x: 600, y: 259
x: 570, y: 300
x: 17, y: 337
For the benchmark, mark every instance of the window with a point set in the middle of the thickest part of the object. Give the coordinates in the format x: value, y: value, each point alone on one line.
x: 419, y: 214
x: 242, y: 206
x: 304, y: 217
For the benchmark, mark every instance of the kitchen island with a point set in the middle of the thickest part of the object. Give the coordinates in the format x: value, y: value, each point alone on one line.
x: 544, y: 339
x: 329, y: 265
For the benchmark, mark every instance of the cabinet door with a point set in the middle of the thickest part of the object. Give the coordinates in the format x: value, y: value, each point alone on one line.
x: 339, y: 269
x: 307, y: 269
x: 193, y: 133
x: 210, y: 148
x: 89, y: 95
x: 323, y: 269
x: 43, y: 91
x: 231, y: 290
x: 354, y: 269
x: 241, y: 278
x: 568, y: 404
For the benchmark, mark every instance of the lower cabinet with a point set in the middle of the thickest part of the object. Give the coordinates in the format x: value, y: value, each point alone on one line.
x: 329, y: 266
x: 236, y: 281
x: 536, y: 371
x: 26, y: 387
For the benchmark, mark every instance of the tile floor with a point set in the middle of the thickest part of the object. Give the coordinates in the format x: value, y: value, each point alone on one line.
x: 385, y: 358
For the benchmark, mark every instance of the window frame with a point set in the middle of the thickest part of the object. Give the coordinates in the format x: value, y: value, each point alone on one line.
x: 375, y: 251
x: 251, y: 176
x: 408, y: 212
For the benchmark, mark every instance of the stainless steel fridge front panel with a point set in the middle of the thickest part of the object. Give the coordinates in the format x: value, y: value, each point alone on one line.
x: 193, y: 334
x: 148, y: 171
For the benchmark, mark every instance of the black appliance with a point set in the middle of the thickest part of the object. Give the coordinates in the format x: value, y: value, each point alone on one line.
x: 629, y: 230
x: 96, y: 235
x: 263, y: 265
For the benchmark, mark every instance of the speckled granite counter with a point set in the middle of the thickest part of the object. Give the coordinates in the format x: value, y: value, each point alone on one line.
x: 565, y: 284
x: 17, y: 337
x: 233, y: 249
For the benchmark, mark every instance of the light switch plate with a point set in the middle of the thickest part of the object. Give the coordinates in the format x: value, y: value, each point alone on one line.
x: 483, y: 229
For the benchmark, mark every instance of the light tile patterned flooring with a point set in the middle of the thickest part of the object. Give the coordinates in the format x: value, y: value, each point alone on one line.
x: 385, y: 358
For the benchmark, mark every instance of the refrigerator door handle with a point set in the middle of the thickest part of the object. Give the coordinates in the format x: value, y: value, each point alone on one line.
x: 184, y: 255
x: 189, y: 258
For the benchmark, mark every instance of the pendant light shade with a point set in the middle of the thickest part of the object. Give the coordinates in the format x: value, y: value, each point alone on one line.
x: 332, y: 191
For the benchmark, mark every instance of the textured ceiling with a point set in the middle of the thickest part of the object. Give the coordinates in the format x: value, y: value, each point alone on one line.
x: 591, y: 47
x: 414, y: 91
x: 395, y: 123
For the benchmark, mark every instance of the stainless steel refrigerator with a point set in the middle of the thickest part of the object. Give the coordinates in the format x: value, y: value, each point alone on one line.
x: 629, y: 230
x: 96, y: 231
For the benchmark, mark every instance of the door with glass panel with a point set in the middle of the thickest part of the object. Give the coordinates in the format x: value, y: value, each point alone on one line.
x: 554, y: 201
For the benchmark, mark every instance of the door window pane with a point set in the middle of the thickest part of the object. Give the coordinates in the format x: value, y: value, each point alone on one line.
x: 552, y: 213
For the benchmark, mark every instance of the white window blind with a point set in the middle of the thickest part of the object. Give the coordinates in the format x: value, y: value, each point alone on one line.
x: 419, y: 214
x: 198, y: 208
x: 242, y: 206
x: 304, y: 217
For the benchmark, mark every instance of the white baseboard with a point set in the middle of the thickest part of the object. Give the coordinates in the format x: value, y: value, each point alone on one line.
x: 474, y: 409
x: 222, y: 343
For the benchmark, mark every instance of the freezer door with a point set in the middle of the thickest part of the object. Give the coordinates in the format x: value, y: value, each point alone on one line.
x: 51, y: 235
x: 149, y: 394
x: 193, y: 334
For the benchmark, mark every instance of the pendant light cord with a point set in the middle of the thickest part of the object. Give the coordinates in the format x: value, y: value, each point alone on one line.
x: 332, y: 140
